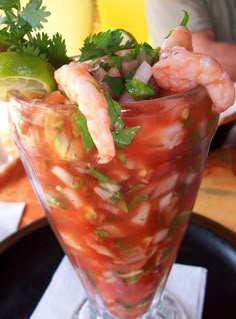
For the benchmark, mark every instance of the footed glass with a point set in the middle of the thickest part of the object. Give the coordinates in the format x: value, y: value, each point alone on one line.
x: 120, y: 223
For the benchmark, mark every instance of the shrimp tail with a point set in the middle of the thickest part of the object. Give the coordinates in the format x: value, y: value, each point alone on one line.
x: 180, y: 36
x: 222, y: 99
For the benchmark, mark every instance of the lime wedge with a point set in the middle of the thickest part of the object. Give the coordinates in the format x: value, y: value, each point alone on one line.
x: 25, y: 73
x: 127, y: 35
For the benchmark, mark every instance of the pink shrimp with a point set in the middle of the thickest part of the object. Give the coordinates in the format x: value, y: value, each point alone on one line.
x: 180, y: 36
x: 179, y: 70
x: 82, y: 88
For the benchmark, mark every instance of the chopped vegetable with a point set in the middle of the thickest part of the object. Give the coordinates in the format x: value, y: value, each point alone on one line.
x: 78, y: 121
x: 139, y: 89
x: 122, y: 136
x: 104, y: 43
x: 97, y: 174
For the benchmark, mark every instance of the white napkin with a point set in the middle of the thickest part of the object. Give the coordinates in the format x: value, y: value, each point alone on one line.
x: 227, y: 113
x: 65, y: 292
x: 10, y: 215
x: 4, y: 158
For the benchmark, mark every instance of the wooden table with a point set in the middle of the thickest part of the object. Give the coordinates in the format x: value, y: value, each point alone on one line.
x: 217, y: 195
x: 15, y: 187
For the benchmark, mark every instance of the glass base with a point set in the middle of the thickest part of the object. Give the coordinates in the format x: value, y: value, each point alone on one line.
x: 168, y: 308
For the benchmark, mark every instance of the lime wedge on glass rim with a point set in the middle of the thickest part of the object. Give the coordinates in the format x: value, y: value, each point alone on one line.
x: 25, y: 73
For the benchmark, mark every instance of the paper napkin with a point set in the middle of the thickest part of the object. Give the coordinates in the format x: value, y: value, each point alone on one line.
x: 228, y: 114
x: 4, y: 159
x: 10, y: 215
x: 65, y: 292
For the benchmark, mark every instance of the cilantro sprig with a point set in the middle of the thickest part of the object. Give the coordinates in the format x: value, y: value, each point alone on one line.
x: 19, y: 31
x: 183, y: 22
x: 185, y: 19
x: 110, y: 42
x: 105, y: 43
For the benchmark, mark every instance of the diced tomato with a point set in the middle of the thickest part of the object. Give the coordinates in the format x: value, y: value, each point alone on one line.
x: 55, y: 97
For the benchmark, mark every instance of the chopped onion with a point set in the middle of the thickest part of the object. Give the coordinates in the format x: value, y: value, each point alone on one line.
x: 110, y: 187
x: 143, y: 212
x: 160, y: 235
x: 102, y: 250
x: 165, y: 201
x: 72, y: 243
x: 165, y: 185
x: 101, y: 192
x: 63, y: 175
x: 130, y: 274
x: 143, y: 72
x: 72, y: 197
x: 61, y: 144
x: 113, y: 230
x: 109, y: 276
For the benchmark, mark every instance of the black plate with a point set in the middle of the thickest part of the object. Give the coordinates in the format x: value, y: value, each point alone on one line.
x: 29, y: 258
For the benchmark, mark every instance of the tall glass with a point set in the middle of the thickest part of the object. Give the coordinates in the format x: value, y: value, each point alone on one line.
x: 121, y: 223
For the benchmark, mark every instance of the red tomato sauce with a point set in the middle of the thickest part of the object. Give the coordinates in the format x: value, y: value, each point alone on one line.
x: 121, y: 222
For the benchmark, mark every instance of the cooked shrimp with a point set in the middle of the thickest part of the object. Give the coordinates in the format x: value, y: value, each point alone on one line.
x: 180, y: 70
x: 82, y: 88
x: 180, y: 36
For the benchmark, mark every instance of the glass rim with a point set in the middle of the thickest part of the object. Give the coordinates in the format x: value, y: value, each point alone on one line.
x: 37, y: 102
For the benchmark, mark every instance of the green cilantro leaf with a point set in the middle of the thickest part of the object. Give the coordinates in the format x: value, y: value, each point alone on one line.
x: 122, y: 136
x: 57, y: 53
x: 78, y: 120
x: 115, y: 83
x: 137, y: 199
x: 30, y: 49
x: 183, y: 23
x: 181, y: 218
x: 128, y: 75
x: 42, y: 42
x: 152, y: 54
x: 8, y: 5
x: 17, y: 32
x: 104, y: 65
x: 104, y: 43
x: 114, y: 109
x: 6, y: 40
x: 150, y: 51
x: 134, y: 53
x: 125, y: 137
x: 185, y: 19
x: 34, y: 13
x: 101, y: 232
x: 116, y: 60
x: 100, y: 176
x: 122, y: 157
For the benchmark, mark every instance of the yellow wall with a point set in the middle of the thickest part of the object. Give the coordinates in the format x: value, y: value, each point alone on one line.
x: 126, y: 14
x: 73, y: 19
x: 76, y: 19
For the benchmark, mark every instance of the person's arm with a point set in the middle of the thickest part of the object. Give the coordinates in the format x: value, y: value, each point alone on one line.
x: 224, y: 52
x: 165, y: 15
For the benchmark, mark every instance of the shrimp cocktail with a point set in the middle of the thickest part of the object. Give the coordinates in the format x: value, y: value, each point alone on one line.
x: 115, y: 149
